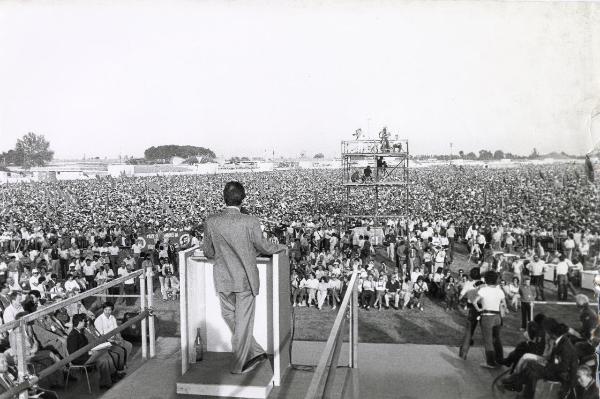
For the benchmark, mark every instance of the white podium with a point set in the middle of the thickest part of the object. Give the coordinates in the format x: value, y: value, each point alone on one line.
x: 200, y: 308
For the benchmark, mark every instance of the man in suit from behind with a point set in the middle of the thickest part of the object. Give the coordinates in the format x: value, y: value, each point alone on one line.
x: 234, y: 240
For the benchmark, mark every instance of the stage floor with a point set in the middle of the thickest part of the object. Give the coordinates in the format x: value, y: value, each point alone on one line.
x: 398, y: 371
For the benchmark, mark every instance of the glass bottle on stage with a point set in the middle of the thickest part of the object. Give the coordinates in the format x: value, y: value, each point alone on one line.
x: 198, y: 345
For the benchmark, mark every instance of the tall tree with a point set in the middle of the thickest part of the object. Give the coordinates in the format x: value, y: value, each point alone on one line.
x: 498, y: 154
x: 33, y: 150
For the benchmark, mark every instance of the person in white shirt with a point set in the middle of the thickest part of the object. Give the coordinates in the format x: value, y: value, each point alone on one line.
x: 489, y: 302
x: 128, y: 285
x: 89, y: 271
x: 71, y: 284
x: 562, y: 277
x: 538, y: 268
x: 105, y: 323
x: 14, y: 308
x: 137, y: 250
x: 34, y: 280
x: 113, y: 252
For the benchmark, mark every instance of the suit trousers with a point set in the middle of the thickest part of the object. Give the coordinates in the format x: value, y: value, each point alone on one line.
x: 237, y: 309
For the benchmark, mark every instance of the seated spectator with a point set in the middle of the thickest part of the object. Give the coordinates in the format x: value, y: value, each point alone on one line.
x: 368, y: 292
x: 105, y: 323
x: 392, y: 290
x: 14, y: 308
x: 559, y: 365
x: 406, y: 293
x: 312, y: 286
x: 8, y: 379
x: 71, y: 284
x: 586, y: 385
x: 104, y: 363
x: 35, y: 355
x: 535, y: 342
x: 31, y: 301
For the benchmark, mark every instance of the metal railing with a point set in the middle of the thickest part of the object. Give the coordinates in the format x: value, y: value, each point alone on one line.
x: 321, y: 385
x: 18, y: 326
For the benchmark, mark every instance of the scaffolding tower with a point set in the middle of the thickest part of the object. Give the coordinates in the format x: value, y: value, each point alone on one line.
x: 370, y: 167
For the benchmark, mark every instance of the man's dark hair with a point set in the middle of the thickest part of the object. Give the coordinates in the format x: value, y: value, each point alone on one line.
x: 78, y: 318
x: 108, y: 305
x: 13, y: 295
x: 234, y: 193
x: 552, y: 327
x: 35, y: 293
x: 474, y: 273
x: 490, y: 277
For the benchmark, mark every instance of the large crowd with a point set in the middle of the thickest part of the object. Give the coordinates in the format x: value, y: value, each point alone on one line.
x: 60, y: 238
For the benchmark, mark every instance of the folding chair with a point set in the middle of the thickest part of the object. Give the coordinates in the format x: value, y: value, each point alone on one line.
x: 83, y: 367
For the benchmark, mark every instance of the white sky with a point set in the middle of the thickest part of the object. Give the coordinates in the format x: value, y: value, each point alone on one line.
x: 246, y: 78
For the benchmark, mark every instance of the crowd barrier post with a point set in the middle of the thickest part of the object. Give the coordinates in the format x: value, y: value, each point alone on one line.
x: 144, y: 324
x: 19, y: 332
x: 150, y: 298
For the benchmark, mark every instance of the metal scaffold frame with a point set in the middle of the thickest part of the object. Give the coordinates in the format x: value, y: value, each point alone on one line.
x: 390, y: 158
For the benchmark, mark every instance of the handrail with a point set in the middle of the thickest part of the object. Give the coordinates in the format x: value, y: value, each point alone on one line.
x: 60, y: 304
x: 333, y: 344
x: 49, y: 370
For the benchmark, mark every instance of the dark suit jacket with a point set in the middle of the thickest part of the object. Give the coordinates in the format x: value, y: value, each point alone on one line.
x: 76, y: 341
x: 563, y: 362
x: 234, y: 240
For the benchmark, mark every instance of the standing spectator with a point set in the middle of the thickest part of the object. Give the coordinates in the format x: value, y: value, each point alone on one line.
x: 113, y: 252
x: 537, y: 269
x: 469, y: 293
x: 526, y: 293
x: 89, y: 272
x: 492, y: 300
x: 128, y: 285
x: 451, y: 294
x: 380, y: 287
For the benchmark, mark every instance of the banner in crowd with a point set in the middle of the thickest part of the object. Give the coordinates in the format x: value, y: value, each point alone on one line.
x: 180, y: 238
x: 375, y: 234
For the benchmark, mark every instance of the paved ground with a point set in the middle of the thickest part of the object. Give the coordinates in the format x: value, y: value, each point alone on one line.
x: 385, y: 371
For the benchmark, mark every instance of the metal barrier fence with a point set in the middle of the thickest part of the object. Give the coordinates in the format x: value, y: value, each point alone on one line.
x: 18, y: 326
x: 321, y: 385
